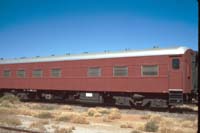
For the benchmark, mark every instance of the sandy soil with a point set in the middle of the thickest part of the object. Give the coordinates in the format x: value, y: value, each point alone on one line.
x: 52, y: 118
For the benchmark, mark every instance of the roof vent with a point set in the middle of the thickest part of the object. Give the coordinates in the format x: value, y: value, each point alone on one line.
x: 127, y: 49
x: 155, y: 46
x: 106, y: 51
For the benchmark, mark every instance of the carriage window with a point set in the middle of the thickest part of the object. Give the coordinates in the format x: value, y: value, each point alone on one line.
x: 175, y: 63
x: 150, y: 70
x: 55, y: 72
x: 37, y: 73
x: 21, y: 73
x: 120, y: 71
x: 7, y: 73
x: 94, y: 72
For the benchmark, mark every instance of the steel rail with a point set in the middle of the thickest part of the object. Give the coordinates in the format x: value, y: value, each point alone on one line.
x: 18, y: 129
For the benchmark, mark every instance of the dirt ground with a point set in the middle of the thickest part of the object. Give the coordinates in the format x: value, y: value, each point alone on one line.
x: 62, y: 118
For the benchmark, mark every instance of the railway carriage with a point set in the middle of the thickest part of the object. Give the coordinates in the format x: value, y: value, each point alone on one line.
x: 155, y: 77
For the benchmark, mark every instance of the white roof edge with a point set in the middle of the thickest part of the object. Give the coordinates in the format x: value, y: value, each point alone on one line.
x: 129, y: 53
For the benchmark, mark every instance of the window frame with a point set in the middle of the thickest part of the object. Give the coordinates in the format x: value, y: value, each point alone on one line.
x: 174, y: 67
x: 24, y: 74
x: 34, y: 76
x: 10, y: 73
x: 114, y: 73
x: 60, y: 73
x: 142, y: 72
x: 96, y: 67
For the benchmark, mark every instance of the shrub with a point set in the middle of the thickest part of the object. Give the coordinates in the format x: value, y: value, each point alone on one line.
x: 103, y: 110
x: 135, y: 131
x: 38, y: 125
x: 79, y: 119
x: 106, y: 119
x: 10, y: 98
x: 92, y: 111
x: 44, y: 115
x: 65, y: 117
x: 64, y: 130
x: 43, y: 107
x: 126, y: 125
x: 66, y: 107
x: 114, y: 115
x: 151, y: 126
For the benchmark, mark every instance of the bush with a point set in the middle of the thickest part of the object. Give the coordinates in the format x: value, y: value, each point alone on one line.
x: 114, y: 115
x: 151, y: 126
x: 10, y: 98
x: 43, y: 107
x: 126, y: 125
x: 44, y: 115
x: 38, y: 125
x: 64, y: 130
x: 65, y: 117
x: 79, y: 119
x: 135, y: 131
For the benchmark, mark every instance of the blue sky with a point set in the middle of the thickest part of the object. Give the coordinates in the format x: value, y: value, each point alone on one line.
x: 44, y: 27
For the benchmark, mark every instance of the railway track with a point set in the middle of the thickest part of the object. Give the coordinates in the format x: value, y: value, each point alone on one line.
x: 7, y: 129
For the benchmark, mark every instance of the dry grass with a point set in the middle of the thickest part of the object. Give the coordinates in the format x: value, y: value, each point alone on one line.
x: 65, y: 116
x: 111, y: 114
x: 126, y: 125
x: 79, y: 119
x: 106, y: 119
x: 140, y: 126
x: 64, y: 130
x: 25, y: 111
x: 135, y: 131
x: 44, y: 115
x: 38, y: 126
x: 42, y: 107
x: 114, y: 114
x: 92, y: 111
x: 72, y: 117
x: 9, y: 120
x: 187, y: 124
x: 103, y: 110
x: 7, y: 111
x: 176, y: 130
x: 66, y: 107
x: 10, y: 98
x: 151, y: 126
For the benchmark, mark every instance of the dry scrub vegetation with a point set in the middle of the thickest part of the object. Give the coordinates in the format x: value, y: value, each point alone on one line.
x: 52, y: 115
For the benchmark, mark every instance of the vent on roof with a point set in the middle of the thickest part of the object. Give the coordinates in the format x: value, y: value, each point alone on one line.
x: 106, y: 51
x: 127, y: 49
x: 155, y: 46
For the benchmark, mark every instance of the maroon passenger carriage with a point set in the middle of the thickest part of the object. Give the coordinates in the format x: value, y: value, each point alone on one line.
x: 155, y: 77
